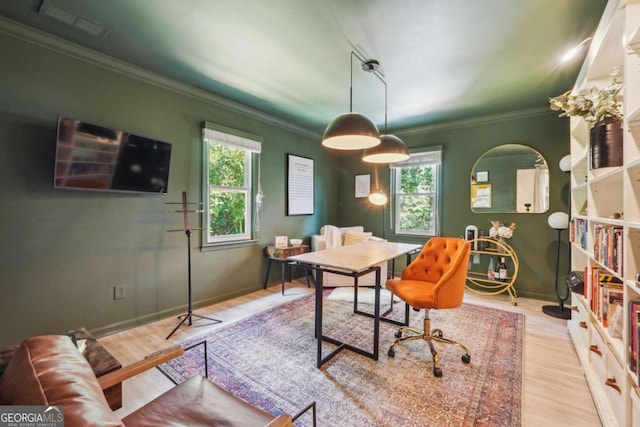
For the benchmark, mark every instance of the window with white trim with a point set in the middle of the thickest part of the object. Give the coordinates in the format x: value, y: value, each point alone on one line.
x: 228, y: 163
x: 416, y: 189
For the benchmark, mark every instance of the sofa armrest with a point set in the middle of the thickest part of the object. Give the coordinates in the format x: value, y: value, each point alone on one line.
x: 151, y: 361
x: 318, y: 243
x: 377, y: 239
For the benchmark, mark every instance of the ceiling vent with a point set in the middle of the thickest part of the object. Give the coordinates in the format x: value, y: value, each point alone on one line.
x: 63, y: 15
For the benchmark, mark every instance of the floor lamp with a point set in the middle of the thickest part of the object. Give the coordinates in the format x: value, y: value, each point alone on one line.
x: 558, y: 221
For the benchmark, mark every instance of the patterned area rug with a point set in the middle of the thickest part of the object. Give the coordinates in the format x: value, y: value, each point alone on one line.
x: 269, y: 361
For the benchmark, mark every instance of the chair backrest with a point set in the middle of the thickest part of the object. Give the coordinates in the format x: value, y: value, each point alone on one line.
x: 444, y: 262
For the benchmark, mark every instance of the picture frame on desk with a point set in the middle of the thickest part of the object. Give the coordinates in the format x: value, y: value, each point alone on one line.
x: 281, y: 241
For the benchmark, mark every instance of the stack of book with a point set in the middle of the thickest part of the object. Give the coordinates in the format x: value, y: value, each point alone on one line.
x: 607, y: 295
x: 607, y: 246
x: 578, y: 232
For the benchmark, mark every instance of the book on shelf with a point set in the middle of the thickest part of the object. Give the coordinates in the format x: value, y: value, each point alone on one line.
x: 633, y: 335
x: 578, y: 232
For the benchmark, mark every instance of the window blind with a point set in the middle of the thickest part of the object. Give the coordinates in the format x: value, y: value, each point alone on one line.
x: 421, y: 157
x: 232, y: 137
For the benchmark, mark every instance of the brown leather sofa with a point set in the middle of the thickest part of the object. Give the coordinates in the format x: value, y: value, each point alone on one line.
x: 49, y: 370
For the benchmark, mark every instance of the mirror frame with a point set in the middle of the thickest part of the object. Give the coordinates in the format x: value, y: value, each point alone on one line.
x: 483, y: 179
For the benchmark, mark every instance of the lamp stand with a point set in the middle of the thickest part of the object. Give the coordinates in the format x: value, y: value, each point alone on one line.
x: 558, y: 311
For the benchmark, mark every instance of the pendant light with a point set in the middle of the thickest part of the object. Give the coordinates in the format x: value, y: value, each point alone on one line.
x: 391, y: 148
x: 351, y: 131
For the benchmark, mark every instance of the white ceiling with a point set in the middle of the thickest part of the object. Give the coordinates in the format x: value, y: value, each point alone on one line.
x: 441, y: 59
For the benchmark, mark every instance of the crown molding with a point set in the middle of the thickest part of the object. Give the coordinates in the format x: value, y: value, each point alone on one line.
x: 474, y: 121
x: 31, y: 35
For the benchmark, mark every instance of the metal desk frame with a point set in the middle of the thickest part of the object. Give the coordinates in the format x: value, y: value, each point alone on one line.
x: 375, y: 316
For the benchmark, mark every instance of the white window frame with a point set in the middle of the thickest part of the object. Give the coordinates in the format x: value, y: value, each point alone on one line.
x: 418, y: 157
x: 251, y: 144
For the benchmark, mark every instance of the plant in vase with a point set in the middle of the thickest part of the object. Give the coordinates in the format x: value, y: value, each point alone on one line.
x: 602, y: 109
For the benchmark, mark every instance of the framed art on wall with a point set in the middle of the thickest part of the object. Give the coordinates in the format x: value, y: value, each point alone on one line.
x: 300, y: 195
x: 482, y: 176
x: 362, y: 186
x: 481, y: 196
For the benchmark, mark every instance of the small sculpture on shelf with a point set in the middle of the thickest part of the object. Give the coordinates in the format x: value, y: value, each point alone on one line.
x: 501, y: 232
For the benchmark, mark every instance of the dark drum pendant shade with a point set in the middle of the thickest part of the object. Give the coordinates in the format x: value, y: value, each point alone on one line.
x: 605, y: 144
x: 351, y: 131
x: 390, y: 150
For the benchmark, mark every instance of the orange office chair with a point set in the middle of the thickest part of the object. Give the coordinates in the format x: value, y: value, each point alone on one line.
x: 434, y: 280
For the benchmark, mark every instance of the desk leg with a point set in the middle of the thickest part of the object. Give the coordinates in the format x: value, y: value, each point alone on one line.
x: 376, y: 316
x: 319, y: 318
x: 283, y: 267
x: 266, y: 278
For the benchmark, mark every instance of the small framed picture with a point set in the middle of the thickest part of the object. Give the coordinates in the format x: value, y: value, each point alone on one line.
x: 362, y: 186
x: 482, y: 176
x: 281, y: 241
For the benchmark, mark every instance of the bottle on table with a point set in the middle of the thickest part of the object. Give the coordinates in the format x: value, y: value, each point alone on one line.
x: 502, y: 270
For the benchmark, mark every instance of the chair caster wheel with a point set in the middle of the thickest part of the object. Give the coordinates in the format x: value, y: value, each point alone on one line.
x: 391, y: 353
x: 398, y: 333
x: 466, y: 358
x: 437, y: 372
x: 437, y: 333
x: 514, y: 303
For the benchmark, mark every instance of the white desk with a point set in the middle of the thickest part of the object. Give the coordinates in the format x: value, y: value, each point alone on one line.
x: 355, y: 261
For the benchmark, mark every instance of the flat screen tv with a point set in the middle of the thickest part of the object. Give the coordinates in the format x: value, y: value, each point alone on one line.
x: 92, y: 157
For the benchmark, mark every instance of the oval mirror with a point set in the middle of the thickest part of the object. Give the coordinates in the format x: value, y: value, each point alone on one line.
x: 510, y: 178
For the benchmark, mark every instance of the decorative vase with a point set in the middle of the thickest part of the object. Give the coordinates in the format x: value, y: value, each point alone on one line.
x: 605, y: 144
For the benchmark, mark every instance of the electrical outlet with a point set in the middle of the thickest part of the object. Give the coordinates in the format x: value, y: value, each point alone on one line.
x: 119, y: 292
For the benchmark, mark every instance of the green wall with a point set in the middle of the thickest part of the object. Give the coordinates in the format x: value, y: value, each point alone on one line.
x: 62, y: 251
x: 463, y: 143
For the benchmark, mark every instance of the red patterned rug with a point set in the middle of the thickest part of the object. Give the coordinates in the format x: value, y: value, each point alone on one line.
x: 269, y: 361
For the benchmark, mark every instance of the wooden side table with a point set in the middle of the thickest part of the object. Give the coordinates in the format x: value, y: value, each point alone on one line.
x: 281, y: 255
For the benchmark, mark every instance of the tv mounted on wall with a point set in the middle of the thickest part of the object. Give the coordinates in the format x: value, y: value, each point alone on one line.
x: 92, y: 157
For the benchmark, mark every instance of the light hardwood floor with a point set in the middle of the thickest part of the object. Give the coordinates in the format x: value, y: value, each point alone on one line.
x: 555, y: 392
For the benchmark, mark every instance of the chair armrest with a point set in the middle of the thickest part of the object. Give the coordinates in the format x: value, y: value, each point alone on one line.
x: 151, y: 361
x: 281, y: 420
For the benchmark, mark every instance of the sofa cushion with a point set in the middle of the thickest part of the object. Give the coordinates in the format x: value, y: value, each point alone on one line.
x: 351, y: 237
x: 49, y: 370
x: 197, y: 402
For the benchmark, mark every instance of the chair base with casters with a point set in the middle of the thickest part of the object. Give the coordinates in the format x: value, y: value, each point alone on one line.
x: 428, y: 335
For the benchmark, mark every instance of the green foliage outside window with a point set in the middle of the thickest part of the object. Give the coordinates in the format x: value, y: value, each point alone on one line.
x: 228, y: 197
x: 417, y: 199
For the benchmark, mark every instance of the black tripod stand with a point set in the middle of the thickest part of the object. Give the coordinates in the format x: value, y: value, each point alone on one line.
x: 189, y: 315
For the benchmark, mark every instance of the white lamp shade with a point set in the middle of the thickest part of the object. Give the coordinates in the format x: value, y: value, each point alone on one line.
x: 378, y: 198
x: 565, y: 163
x: 351, y: 131
x: 391, y: 149
x: 558, y: 220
